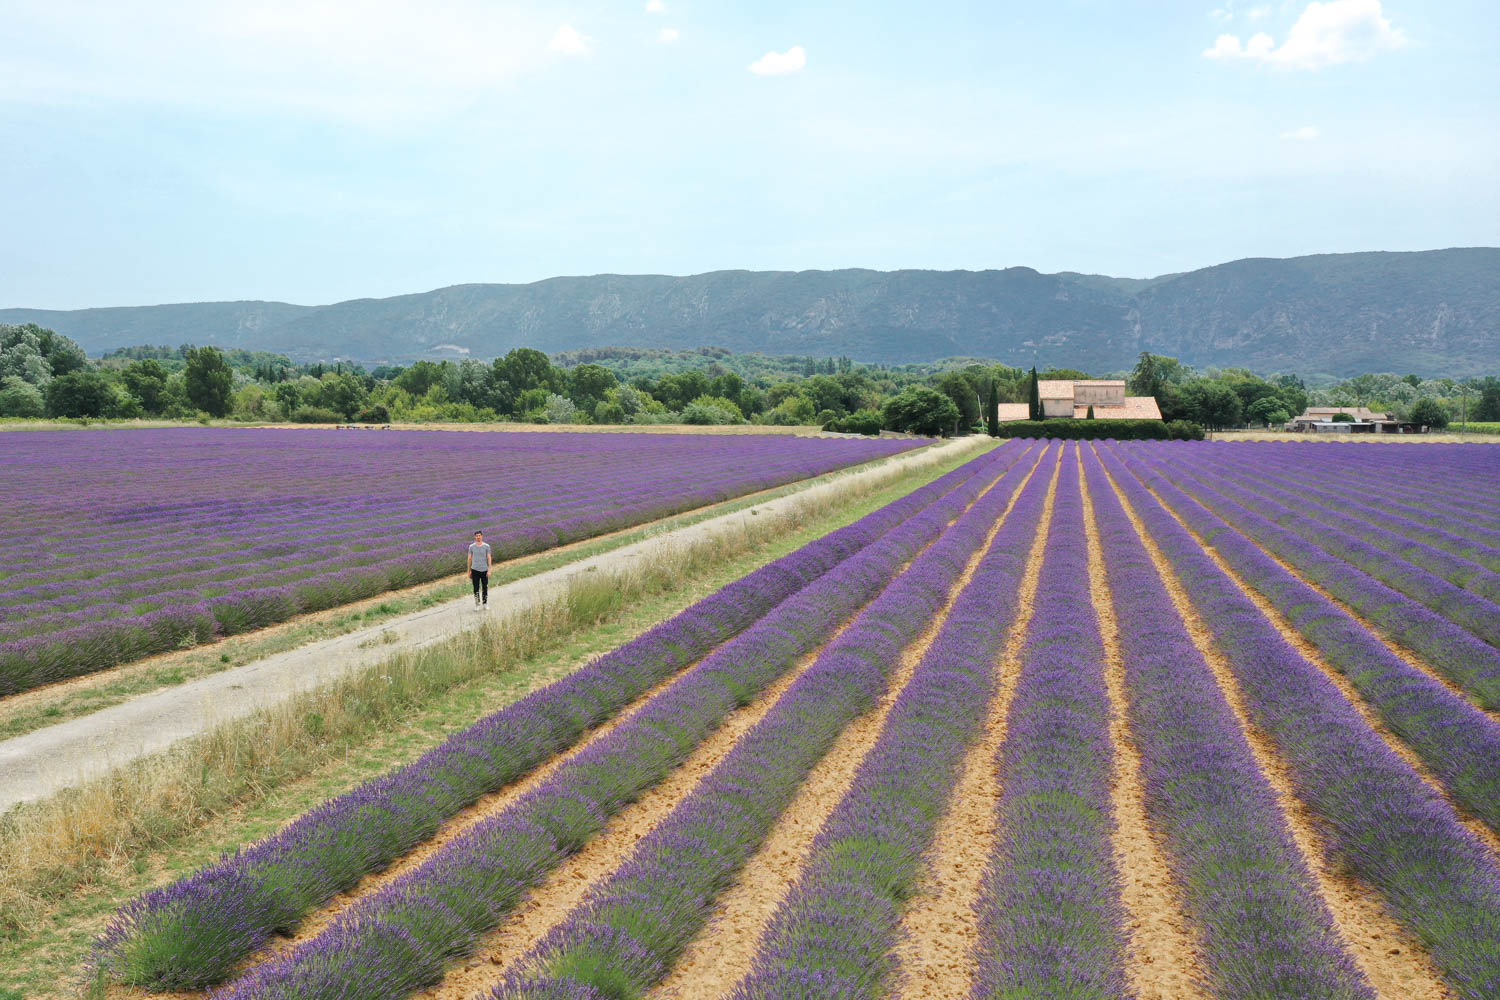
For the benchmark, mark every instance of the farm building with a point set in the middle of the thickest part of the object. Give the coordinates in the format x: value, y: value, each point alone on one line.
x: 1319, y: 420
x: 1064, y: 398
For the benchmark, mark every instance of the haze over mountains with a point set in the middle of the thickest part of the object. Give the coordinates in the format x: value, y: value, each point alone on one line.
x: 1430, y: 313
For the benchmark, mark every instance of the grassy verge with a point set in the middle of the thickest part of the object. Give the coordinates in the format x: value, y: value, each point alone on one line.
x: 67, y: 863
x: 32, y: 710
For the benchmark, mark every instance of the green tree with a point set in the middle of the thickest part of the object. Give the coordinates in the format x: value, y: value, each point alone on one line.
x: 421, y: 376
x: 210, y: 381
x: 19, y: 398
x: 1089, y: 415
x: 992, y: 409
x: 958, y: 387
x: 83, y: 393
x: 1034, y: 398
x: 344, y: 393
x: 1429, y: 413
x: 920, y: 410
x: 1213, y: 404
x: 146, y: 380
x: 1488, y: 407
x: 21, y: 355
x: 588, y: 384
x: 1267, y: 410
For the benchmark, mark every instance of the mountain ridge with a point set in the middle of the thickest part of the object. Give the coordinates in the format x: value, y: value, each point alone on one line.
x: 1432, y: 312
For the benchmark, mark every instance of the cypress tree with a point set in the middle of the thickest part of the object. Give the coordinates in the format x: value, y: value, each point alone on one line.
x: 1090, y: 414
x: 1036, y: 397
x: 992, y: 412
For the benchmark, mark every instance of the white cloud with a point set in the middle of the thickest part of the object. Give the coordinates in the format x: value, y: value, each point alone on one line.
x: 780, y: 63
x: 655, y: 7
x: 667, y: 36
x: 569, y: 42
x: 1256, y: 13
x: 1306, y: 133
x: 1327, y: 34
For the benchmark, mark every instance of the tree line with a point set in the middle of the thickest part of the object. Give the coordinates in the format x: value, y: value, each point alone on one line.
x: 46, y: 374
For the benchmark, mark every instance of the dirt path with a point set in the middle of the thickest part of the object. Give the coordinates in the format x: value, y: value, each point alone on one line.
x: 934, y: 956
x: 721, y: 954
x: 1393, y: 962
x: 1161, y: 960
x: 48, y: 760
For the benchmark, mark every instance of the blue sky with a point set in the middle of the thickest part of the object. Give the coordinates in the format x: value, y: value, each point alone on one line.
x: 318, y: 150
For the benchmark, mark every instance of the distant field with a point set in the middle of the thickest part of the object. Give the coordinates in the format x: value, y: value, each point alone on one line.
x: 125, y: 543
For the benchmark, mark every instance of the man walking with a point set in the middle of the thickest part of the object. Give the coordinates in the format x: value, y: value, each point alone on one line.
x: 479, y: 569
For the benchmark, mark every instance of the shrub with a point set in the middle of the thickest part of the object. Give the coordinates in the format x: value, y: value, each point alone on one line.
x: 1119, y: 430
x: 1343, y: 418
x: 920, y: 410
x: 315, y: 415
x: 1186, y: 430
x: 1429, y: 413
x: 858, y: 422
x: 707, y: 413
x: 376, y: 414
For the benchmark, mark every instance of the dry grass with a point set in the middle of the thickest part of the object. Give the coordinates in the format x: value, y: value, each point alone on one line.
x: 49, y: 848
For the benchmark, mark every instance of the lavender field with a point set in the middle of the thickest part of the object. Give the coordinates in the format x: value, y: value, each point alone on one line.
x: 117, y: 545
x: 1127, y: 720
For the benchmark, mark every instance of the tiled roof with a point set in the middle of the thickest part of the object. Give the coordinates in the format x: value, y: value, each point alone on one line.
x: 1135, y: 408
x: 1014, y: 411
x: 1101, y: 381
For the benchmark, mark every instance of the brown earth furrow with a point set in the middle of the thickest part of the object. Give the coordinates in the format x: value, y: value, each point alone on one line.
x: 1161, y: 961
x: 1393, y: 962
x: 721, y: 954
x: 551, y: 902
x: 935, y: 954
x: 1400, y: 652
x: 1313, y: 655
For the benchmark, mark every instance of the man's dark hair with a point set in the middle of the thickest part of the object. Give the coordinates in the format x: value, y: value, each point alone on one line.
x: 478, y: 532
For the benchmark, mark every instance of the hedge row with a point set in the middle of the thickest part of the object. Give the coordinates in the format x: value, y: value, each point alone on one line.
x: 1119, y: 430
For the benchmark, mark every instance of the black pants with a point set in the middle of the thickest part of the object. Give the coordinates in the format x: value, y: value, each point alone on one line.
x: 481, y: 580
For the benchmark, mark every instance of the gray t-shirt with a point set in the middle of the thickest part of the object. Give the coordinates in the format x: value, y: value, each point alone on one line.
x: 479, y: 556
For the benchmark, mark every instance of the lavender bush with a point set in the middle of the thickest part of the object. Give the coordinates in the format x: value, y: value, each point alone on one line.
x: 1049, y: 912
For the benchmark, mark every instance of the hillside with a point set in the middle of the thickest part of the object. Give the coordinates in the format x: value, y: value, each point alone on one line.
x: 1432, y: 312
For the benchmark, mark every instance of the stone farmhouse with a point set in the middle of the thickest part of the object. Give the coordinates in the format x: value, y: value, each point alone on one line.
x: 1063, y: 398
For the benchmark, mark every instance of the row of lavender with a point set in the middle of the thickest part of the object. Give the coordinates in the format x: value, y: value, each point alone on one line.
x: 266, y: 524
x: 193, y: 932
x: 624, y: 937
x: 1382, y: 823
x: 1050, y: 914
